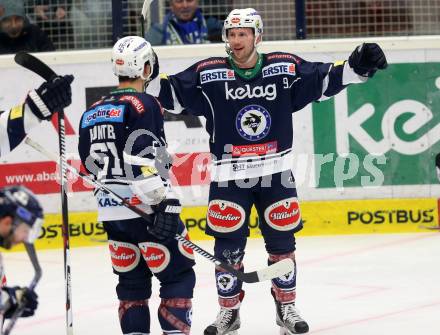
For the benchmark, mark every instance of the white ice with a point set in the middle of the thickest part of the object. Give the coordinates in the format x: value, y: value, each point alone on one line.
x: 347, y: 285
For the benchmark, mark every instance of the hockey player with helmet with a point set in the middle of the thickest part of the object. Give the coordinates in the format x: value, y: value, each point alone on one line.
x: 39, y: 105
x: 21, y: 218
x: 122, y: 144
x: 248, y: 99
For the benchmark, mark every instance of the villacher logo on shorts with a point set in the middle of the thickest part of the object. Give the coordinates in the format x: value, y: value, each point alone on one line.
x: 156, y: 255
x: 253, y: 122
x: 125, y: 256
x: 225, y: 216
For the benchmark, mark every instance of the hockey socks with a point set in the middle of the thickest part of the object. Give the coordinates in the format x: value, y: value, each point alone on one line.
x: 134, y: 317
x: 175, y: 316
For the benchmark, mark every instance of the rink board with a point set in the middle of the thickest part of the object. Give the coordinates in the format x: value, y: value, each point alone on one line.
x: 372, y: 141
x: 320, y: 218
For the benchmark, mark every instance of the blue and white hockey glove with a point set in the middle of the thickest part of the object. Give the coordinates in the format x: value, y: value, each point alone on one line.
x: 17, y: 296
x: 166, y: 219
x: 366, y: 59
x: 50, y: 97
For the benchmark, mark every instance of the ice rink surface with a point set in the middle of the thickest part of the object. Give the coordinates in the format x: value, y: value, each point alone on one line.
x: 347, y: 285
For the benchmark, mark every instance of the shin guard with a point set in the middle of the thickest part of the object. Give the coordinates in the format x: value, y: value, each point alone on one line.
x: 284, y: 287
x: 134, y: 317
x: 175, y: 316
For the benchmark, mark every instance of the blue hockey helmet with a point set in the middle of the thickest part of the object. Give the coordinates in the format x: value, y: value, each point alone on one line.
x: 22, y: 206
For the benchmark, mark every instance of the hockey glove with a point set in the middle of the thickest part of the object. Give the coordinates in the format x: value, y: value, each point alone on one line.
x: 166, y: 219
x: 366, y: 59
x: 50, y: 97
x: 18, y: 296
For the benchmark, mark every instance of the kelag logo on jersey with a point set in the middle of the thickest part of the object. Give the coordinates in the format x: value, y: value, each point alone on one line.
x: 269, y: 92
x: 253, y: 122
x: 279, y: 69
x: 216, y: 75
x: 103, y: 113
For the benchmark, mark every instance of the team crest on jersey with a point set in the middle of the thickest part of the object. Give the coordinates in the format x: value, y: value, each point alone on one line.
x: 216, y: 75
x: 226, y: 282
x: 253, y: 122
x: 125, y: 256
x: 103, y: 113
x: 156, y: 255
x: 278, y: 69
x: 283, y: 215
x: 225, y: 216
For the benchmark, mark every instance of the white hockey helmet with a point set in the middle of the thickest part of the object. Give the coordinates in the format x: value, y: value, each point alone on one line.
x: 129, y: 56
x: 244, y: 18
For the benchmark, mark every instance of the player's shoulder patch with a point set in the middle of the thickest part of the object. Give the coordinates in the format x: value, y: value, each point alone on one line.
x: 211, y: 63
x: 282, y: 56
x: 218, y: 74
x: 279, y: 63
x: 103, y: 113
x: 134, y: 101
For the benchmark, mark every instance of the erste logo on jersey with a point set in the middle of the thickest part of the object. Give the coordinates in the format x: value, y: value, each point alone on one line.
x: 253, y: 122
x: 225, y: 216
x: 156, y: 255
x: 125, y: 256
x: 103, y: 113
x: 283, y: 215
x: 216, y: 75
x: 279, y: 69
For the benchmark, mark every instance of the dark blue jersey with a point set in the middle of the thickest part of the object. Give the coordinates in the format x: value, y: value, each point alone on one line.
x: 249, y: 112
x: 14, y: 125
x: 118, y: 141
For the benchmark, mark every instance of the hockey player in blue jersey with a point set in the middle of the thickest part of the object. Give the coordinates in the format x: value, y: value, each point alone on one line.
x: 248, y: 99
x: 39, y: 105
x: 21, y: 218
x: 122, y: 144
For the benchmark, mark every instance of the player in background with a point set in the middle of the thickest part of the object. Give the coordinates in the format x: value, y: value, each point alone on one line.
x: 21, y: 218
x: 122, y: 143
x: 39, y: 105
x: 248, y: 99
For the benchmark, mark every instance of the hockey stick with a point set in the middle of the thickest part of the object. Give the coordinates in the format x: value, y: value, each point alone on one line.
x: 30, y: 248
x: 273, y: 271
x: 37, y: 66
x: 144, y: 13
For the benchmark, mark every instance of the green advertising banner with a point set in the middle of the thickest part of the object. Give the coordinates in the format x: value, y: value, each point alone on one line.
x: 383, y: 132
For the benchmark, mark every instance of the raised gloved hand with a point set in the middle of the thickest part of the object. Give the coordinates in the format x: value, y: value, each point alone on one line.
x: 166, y: 219
x: 50, y: 97
x: 366, y: 59
x: 20, y: 295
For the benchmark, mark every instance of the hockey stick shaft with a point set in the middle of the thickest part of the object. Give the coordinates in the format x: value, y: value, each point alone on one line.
x: 30, y: 249
x: 273, y: 271
x: 39, y: 67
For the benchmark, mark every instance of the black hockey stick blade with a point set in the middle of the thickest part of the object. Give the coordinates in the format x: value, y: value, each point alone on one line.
x: 34, y: 64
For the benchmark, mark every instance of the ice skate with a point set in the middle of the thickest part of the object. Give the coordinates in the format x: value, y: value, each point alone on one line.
x: 289, y: 319
x: 227, y: 323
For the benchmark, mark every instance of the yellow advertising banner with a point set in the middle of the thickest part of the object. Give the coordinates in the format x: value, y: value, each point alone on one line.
x: 319, y: 217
